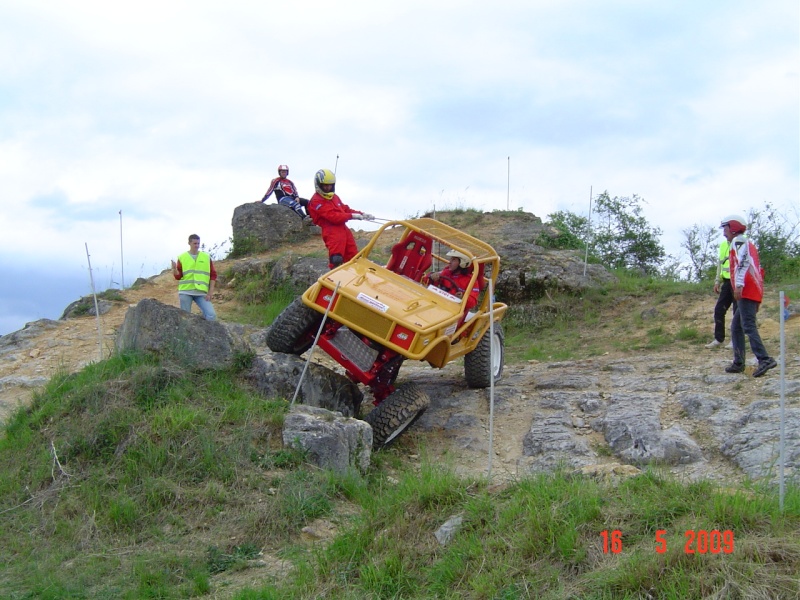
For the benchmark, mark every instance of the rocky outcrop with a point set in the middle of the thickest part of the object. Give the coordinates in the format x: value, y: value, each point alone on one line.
x: 328, y: 439
x: 528, y: 271
x: 682, y: 414
x: 276, y: 375
x: 300, y: 271
x: 258, y: 227
x: 86, y: 307
x: 167, y: 331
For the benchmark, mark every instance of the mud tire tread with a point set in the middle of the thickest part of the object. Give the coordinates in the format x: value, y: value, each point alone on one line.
x: 396, y: 414
x: 289, y: 333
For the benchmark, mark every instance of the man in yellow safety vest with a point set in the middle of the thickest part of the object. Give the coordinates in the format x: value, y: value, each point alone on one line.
x: 197, y: 276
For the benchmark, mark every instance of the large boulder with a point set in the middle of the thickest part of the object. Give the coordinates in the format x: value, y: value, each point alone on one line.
x: 157, y: 328
x: 258, y: 227
x: 276, y: 375
x: 328, y: 439
x: 85, y: 306
x: 528, y: 271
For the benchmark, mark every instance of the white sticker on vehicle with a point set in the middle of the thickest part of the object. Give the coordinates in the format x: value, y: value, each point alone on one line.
x: 370, y: 301
x: 444, y: 294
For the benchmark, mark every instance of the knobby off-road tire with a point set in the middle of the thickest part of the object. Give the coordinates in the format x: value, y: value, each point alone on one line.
x: 478, y: 365
x: 396, y: 414
x: 290, y: 331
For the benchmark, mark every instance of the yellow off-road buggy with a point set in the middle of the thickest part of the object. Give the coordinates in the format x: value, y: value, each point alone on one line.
x: 379, y: 315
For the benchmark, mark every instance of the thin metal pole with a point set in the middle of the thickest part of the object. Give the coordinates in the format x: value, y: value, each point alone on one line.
x: 314, y: 345
x: 508, y: 186
x: 336, y: 166
x: 121, y: 255
x: 783, y: 404
x: 491, y: 379
x: 588, y: 233
x: 96, y: 309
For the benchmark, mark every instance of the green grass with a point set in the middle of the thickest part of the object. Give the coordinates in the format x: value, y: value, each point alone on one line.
x: 626, y: 316
x: 138, y: 479
x: 141, y: 479
x: 260, y: 301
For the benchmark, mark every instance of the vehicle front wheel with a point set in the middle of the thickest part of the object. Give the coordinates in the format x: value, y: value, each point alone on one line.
x: 396, y: 414
x: 292, y: 331
x: 486, y: 360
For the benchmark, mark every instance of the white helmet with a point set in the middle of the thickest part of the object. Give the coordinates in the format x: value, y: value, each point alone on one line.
x: 465, y: 260
x: 737, y: 223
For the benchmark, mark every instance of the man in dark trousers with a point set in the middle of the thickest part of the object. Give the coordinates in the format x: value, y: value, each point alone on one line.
x: 747, y: 281
x: 722, y: 287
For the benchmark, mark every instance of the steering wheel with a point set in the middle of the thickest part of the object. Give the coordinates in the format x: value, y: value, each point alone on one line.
x: 449, y: 285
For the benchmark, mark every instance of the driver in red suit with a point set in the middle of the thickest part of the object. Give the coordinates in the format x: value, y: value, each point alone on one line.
x: 329, y: 212
x: 458, y: 271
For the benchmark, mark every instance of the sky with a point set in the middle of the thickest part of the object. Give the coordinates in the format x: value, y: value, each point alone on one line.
x: 126, y: 127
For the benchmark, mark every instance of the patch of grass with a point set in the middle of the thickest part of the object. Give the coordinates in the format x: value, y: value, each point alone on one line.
x: 131, y: 453
x: 617, y: 317
x: 231, y: 558
x: 105, y: 493
x: 245, y: 246
x: 260, y: 302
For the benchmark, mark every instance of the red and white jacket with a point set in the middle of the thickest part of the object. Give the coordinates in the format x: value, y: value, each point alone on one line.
x: 282, y: 187
x: 746, y: 270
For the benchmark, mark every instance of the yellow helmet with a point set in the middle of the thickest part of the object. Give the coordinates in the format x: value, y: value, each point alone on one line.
x: 325, y: 177
x: 465, y: 260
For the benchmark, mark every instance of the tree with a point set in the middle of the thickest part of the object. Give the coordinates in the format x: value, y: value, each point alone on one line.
x: 777, y: 238
x: 573, y: 231
x: 623, y: 239
x: 699, y: 243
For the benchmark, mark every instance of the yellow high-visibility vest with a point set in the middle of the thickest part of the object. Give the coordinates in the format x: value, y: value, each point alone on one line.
x: 725, y: 259
x: 196, y: 272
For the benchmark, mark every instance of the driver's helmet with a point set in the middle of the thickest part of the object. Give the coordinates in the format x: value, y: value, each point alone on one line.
x: 325, y: 176
x: 283, y: 168
x: 465, y: 260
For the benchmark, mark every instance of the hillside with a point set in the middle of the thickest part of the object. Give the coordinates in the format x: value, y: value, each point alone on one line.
x: 637, y: 337
x: 193, y: 497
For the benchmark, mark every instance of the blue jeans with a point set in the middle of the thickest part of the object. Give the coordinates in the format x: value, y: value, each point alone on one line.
x: 205, y: 305
x: 744, y: 322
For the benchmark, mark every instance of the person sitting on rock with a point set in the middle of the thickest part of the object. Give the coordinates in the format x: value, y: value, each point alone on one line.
x: 286, y: 193
x: 455, y: 278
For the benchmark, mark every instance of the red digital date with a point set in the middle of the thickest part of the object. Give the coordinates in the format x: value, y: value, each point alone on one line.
x: 700, y: 542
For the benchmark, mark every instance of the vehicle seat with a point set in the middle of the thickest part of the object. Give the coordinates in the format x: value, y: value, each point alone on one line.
x: 411, y: 256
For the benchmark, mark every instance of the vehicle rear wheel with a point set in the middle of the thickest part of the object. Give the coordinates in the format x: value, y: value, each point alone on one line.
x: 291, y: 331
x: 396, y: 414
x: 486, y: 360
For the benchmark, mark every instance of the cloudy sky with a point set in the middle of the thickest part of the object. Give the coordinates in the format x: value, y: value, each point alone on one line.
x: 125, y: 127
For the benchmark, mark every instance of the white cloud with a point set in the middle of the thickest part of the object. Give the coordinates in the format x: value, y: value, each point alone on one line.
x: 176, y: 113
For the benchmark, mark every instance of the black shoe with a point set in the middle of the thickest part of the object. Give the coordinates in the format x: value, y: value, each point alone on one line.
x: 735, y: 368
x: 764, y: 366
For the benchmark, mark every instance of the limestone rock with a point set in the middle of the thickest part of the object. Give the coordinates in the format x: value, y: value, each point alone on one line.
x: 153, y: 327
x: 275, y: 375
x: 330, y: 440
x: 258, y: 226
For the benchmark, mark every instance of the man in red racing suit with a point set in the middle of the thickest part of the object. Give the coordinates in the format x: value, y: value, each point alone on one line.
x: 329, y: 212
x: 454, y: 272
